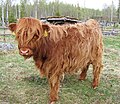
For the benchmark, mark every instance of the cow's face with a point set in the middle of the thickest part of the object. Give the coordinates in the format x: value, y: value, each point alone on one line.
x: 29, y: 32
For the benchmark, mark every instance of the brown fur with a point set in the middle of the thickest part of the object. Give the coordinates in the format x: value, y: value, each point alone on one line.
x: 64, y: 49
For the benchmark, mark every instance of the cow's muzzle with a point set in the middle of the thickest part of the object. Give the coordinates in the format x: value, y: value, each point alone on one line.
x: 25, y: 52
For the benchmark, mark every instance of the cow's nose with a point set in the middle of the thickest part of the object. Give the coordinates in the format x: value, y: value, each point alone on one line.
x: 24, y: 52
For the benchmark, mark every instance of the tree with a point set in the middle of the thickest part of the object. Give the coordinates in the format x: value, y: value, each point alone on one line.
x: 3, y: 21
x: 57, y: 10
x: 23, y: 8
x: 36, y: 8
x: 119, y: 12
x: 11, y: 11
x: 7, y: 13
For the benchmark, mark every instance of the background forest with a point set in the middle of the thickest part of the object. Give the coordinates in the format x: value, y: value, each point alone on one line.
x: 11, y: 10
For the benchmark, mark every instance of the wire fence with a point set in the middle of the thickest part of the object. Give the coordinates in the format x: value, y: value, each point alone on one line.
x: 7, y: 41
x: 4, y: 32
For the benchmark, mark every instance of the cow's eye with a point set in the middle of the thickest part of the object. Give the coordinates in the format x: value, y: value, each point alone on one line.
x: 17, y: 36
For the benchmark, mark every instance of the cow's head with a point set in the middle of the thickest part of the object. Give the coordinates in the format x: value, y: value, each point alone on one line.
x: 29, y: 32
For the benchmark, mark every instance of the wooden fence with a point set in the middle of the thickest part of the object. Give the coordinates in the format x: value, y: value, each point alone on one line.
x: 4, y: 31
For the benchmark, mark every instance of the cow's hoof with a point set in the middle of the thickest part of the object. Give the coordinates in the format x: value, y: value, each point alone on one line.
x: 94, y: 86
x: 81, y: 79
x: 52, y: 102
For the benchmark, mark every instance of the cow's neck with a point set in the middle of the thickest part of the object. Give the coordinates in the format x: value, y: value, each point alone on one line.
x: 43, y: 49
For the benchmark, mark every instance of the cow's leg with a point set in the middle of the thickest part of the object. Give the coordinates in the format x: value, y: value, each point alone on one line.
x: 84, y: 73
x: 54, y: 88
x: 97, y: 67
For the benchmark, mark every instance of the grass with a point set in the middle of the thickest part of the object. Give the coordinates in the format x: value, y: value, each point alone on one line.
x: 20, y: 82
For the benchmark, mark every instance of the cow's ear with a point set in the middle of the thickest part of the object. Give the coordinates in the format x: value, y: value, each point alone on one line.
x: 45, y: 27
x: 12, y: 27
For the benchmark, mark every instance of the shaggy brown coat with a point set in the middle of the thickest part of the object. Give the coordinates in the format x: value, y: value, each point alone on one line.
x: 57, y: 49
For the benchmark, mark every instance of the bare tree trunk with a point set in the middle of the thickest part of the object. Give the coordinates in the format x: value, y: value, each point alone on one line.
x: 7, y: 15
x: 35, y: 11
x: 16, y: 10
x: 84, y: 9
x: 2, y: 4
x: 119, y: 12
x: 53, y: 9
x: 111, y: 18
x: 19, y: 12
x: 36, y: 4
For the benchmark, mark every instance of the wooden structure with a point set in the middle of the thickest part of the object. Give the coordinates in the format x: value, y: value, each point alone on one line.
x: 60, y: 20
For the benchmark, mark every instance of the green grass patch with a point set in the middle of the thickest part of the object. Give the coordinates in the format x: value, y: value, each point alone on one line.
x: 112, y: 42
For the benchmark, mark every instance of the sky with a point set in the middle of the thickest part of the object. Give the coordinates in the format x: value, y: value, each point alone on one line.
x: 95, y: 4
